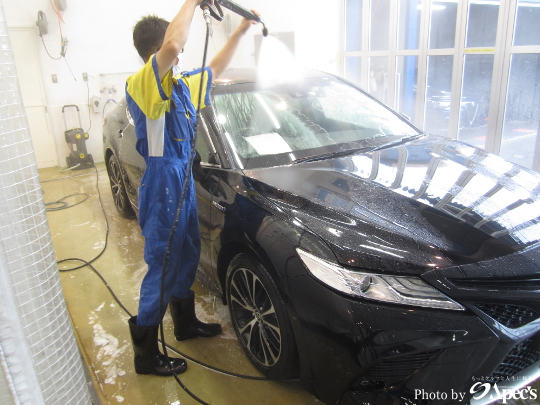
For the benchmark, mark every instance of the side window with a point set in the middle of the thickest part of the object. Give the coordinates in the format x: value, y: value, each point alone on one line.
x: 204, y: 146
x: 201, y: 145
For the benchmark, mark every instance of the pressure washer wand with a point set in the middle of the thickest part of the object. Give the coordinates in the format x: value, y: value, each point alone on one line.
x: 235, y: 8
x: 238, y: 9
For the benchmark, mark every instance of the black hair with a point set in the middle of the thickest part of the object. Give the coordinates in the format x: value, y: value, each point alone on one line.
x: 148, y: 35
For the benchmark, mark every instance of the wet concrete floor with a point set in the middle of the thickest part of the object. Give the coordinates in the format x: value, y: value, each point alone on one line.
x: 101, y: 324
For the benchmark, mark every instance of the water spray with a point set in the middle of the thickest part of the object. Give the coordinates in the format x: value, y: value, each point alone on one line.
x: 235, y: 8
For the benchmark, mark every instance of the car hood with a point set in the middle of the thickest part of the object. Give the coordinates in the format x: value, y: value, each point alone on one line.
x: 429, y: 203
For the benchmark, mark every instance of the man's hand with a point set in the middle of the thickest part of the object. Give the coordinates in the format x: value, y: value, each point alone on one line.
x: 245, y: 24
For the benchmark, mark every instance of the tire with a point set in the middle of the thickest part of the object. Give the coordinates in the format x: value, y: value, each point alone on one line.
x: 260, y: 319
x: 118, y: 189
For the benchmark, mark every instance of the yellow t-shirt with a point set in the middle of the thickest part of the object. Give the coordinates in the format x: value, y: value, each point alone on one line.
x: 164, y: 111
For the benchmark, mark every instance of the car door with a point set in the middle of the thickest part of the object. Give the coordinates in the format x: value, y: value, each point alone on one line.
x: 132, y: 161
x: 208, y: 189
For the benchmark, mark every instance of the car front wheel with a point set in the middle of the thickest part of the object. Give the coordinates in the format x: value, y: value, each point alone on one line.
x: 260, y: 319
x: 118, y: 189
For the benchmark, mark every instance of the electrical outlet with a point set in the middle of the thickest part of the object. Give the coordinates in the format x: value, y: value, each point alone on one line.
x: 54, y: 78
x: 85, y: 76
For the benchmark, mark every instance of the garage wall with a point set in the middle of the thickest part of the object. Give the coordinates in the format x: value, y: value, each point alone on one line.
x: 100, y: 44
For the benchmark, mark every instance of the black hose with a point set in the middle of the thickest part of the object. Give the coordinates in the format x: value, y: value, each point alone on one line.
x: 69, y: 177
x: 104, y: 282
x: 63, y: 204
x: 217, y: 370
x: 106, y: 234
x: 115, y: 297
x: 177, y: 218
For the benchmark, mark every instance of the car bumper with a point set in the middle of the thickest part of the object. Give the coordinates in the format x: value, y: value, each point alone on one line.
x: 355, y: 352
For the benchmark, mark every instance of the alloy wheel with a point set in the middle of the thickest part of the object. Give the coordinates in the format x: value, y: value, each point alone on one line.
x: 118, y: 190
x: 117, y: 187
x: 255, y: 317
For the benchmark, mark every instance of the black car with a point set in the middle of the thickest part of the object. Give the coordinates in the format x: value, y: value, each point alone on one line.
x: 355, y: 252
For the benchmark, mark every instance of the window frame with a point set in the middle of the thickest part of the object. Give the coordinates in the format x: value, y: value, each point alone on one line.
x: 502, y: 51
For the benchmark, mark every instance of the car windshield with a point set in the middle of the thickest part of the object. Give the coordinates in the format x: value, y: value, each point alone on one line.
x: 319, y: 117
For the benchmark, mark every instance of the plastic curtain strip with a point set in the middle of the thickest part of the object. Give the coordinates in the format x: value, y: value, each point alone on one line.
x: 39, y: 357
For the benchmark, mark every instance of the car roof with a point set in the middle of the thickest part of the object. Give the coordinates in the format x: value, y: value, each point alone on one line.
x: 249, y: 75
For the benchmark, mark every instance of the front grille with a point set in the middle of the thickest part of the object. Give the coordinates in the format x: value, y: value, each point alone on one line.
x: 511, y: 316
x: 396, y: 370
x: 520, y: 357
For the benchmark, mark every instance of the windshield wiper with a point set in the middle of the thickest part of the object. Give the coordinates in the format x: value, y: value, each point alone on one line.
x: 399, y: 141
x: 341, y: 153
x: 335, y: 154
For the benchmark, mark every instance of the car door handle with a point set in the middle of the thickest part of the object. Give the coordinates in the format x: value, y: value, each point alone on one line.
x: 219, y: 207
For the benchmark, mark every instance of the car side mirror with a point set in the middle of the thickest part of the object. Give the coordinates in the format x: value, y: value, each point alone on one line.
x: 213, y: 158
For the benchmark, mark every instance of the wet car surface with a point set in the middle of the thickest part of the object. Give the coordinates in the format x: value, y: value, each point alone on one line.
x: 354, y: 251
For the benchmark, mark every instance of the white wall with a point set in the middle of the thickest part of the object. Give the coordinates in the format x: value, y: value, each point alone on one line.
x: 100, y: 44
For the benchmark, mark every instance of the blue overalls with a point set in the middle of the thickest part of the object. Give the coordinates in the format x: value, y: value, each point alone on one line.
x: 164, y: 117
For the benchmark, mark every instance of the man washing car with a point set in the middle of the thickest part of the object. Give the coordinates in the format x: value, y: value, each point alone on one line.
x: 161, y: 102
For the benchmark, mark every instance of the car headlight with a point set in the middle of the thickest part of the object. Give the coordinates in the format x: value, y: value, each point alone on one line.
x: 405, y: 290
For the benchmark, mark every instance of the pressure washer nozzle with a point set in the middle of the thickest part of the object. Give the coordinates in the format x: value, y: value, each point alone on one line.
x: 265, y: 30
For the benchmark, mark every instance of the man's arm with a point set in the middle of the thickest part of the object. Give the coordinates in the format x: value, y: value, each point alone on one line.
x: 220, y: 62
x: 176, y: 36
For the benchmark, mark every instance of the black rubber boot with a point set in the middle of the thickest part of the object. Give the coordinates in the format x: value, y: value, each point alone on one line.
x: 186, y: 324
x: 148, y: 359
